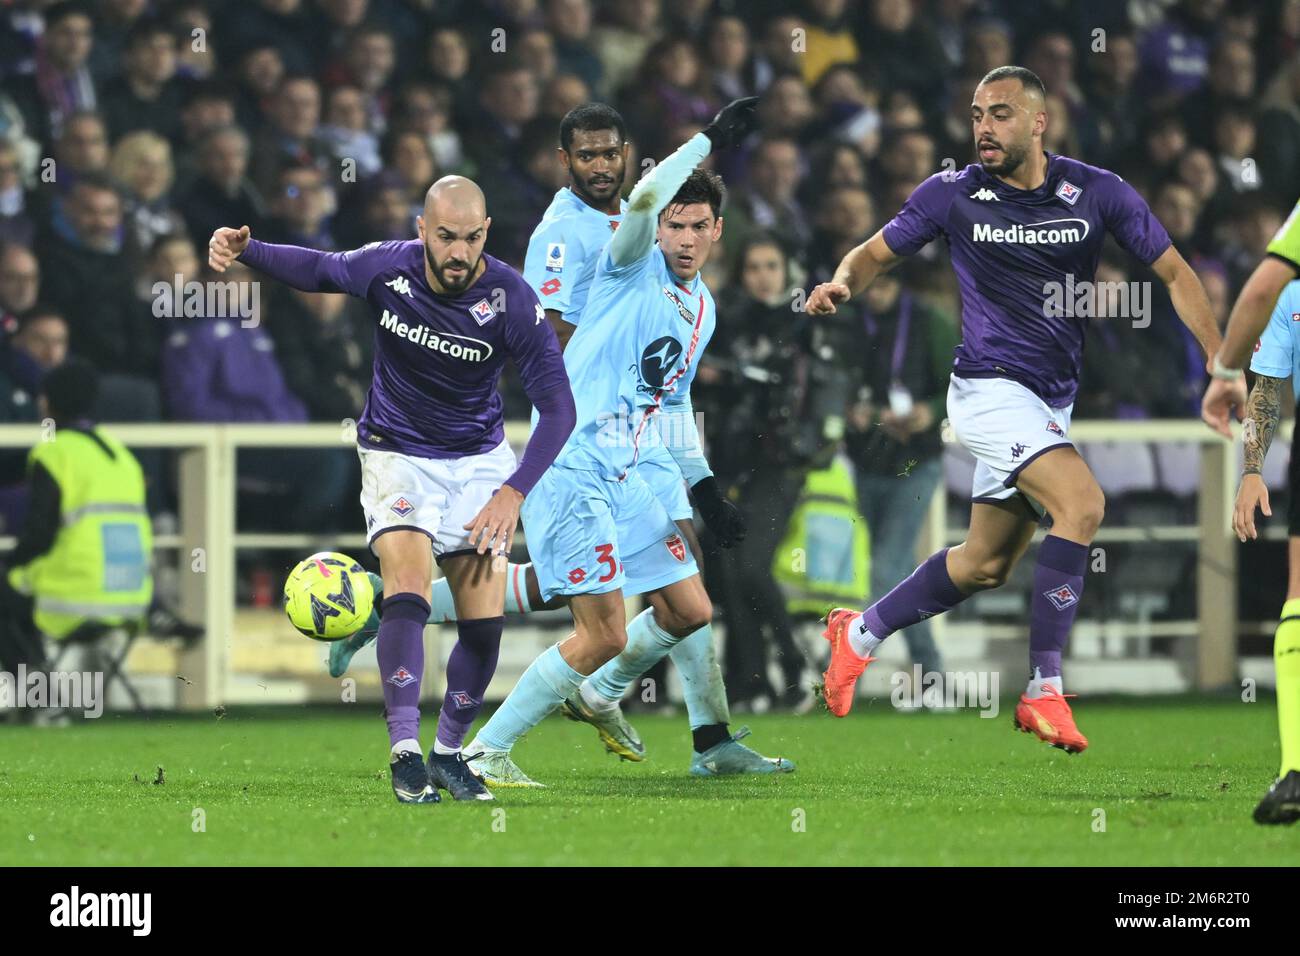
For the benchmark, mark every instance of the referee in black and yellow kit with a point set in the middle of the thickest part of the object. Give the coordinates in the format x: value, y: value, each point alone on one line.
x: 1268, y: 306
x: 83, y: 555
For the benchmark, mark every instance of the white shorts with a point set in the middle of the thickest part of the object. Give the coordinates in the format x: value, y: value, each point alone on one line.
x: 1005, y: 426
x: 436, y: 496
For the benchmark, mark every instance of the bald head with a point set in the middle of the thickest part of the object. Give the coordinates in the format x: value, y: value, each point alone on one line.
x: 455, y: 197
x: 453, y: 228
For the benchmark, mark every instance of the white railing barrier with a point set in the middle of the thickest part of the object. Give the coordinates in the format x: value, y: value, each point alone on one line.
x: 208, y: 539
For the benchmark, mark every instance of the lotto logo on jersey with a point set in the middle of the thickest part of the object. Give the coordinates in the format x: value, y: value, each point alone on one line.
x: 550, y: 287
x: 401, y: 507
x: 482, y: 311
x: 577, y: 576
x: 1062, y: 597
x: 555, y: 257
x: 1069, y: 192
x: 401, y: 677
x: 1055, y: 429
x: 676, y: 547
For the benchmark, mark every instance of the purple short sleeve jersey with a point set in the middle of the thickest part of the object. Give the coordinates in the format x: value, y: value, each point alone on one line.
x: 1011, y: 248
x: 438, y: 357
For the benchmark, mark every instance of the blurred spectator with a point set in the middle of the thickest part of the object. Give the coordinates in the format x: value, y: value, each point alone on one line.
x: 427, y: 109
x: 829, y: 38
x: 731, y: 64
x: 621, y: 42
x: 20, y: 281
x: 192, y: 22
x: 769, y: 203
x: 222, y: 193
x: 666, y: 93
x: 325, y: 343
x: 987, y: 46
x: 778, y: 50
x: 286, y: 25
x: 292, y: 134
x: 368, y: 63
x: 258, y: 76
x: 537, y: 51
x: 569, y: 21
x: 844, y: 218
x: 347, y: 131
x: 1279, y: 131
x: 902, y: 49
x: 141, y: 165
x: 208, y: 106
x: 1234, y: 146
x: 380, y: 211
x: 1230, y: 84
x: 86, y: 275
x: 892, y: 430
x: 17, y: 222
x: 1175, y: 52
x: 766, y: 398
x: 300, y: 209
x: 1113, y: 97
x: 508, y: 97
x: 62, y: 83
x: 563, y: 93
x: 406, y: 152
x: 146, y: 95
x: 39, y: 345
x: 448, y: 62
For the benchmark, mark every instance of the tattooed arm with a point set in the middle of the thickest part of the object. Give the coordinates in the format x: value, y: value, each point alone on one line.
x: 1263, y: 413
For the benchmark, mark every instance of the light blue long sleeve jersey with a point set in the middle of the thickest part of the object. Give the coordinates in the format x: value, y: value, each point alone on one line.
x: 632, y: 359
x: 1278, y: 352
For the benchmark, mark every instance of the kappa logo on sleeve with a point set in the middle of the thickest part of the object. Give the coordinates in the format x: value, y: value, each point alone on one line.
x: 550, y: 287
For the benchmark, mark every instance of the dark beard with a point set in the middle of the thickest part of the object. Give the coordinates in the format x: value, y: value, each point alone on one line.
x: 438, y: 274
x: 1011, y: 161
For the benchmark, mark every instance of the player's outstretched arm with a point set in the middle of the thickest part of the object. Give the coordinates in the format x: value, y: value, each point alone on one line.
x: 857, y: 271
x: 308, y: 270
x: 636, y: 233
x: 1190, y: 300
x: 1263, y: 413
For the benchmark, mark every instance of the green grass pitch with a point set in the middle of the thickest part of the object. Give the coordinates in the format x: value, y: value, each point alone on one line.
x: 1176, y: 779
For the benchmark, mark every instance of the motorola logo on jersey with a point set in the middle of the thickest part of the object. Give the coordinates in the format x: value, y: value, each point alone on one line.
x: 455, y: 346
x: 1047, y: 233
x: 658, y: 358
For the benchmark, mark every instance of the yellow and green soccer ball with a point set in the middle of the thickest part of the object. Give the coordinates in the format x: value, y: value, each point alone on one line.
x: 328, y: 596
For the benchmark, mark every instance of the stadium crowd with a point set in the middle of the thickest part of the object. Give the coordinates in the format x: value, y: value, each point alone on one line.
x: 129, y: 129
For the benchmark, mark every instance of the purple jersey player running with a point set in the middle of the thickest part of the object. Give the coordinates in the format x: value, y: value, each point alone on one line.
x: 1019, y: 223
x: 437, y: 475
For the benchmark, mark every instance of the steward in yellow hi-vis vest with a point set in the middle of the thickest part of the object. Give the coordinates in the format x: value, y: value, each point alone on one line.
x: 84, y: 551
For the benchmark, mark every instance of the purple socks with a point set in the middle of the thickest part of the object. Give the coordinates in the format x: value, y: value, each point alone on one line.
x: 1058, y: 586
x: 401, y: 662
x: 470, y: 667
x: 926, y: 592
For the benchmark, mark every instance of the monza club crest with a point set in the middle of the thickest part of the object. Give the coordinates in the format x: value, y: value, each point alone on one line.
x: 676, y: 547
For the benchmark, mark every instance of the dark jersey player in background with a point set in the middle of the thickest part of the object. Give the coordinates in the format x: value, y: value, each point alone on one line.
x: 435, y: 464
x: 1021, y: 224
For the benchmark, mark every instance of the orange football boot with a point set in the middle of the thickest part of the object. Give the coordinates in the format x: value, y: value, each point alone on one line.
x: 1049, y: 717
x: 845, y: 666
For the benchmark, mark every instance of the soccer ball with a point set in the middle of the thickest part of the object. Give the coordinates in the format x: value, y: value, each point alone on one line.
x: 328, y: 596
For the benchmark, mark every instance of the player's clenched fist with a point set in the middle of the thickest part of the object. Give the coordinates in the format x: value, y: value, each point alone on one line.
x: 826, y: 297
x: 227, y: 245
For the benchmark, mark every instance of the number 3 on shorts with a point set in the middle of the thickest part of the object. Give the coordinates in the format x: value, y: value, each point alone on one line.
x: 605, y: 555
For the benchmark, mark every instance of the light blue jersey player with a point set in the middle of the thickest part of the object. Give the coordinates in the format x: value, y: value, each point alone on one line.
x: 1278, y: 354
x: 598, y: 529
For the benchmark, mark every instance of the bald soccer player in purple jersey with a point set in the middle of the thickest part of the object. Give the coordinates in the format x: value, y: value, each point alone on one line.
x: 438, y: 478
x: 1019, y: 224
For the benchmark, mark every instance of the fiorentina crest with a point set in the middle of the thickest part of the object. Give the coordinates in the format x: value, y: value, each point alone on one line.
x: 1062, y: 597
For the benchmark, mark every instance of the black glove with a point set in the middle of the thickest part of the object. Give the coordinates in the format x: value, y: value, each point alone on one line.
x: 733, y: 123
x: 720, y: 516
